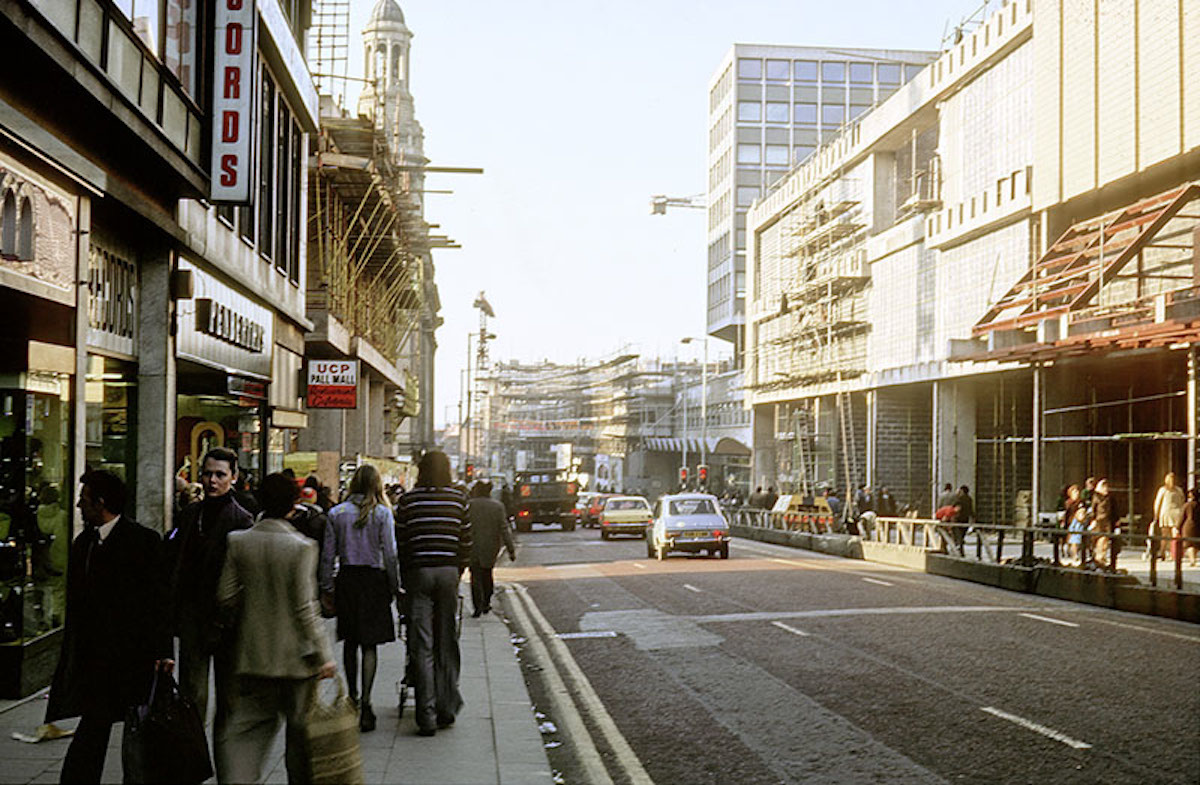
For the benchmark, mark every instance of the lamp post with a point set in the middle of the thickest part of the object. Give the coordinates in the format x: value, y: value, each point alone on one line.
x: 703, y: 401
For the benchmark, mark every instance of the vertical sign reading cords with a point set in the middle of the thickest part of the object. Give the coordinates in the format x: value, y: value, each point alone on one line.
x: 232, y: 107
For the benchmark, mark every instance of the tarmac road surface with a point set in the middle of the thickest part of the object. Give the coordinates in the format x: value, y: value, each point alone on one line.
x: 788, y: 666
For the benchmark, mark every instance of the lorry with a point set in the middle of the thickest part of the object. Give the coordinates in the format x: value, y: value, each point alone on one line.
x: 546, y: 496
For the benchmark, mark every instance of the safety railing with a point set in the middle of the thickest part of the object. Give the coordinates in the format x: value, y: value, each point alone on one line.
x: 991, y: 543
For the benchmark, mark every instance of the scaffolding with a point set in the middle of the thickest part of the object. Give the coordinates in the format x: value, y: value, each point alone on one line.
x: 329, y: 47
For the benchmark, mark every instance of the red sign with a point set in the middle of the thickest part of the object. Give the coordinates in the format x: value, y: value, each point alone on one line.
x: 332, y: 384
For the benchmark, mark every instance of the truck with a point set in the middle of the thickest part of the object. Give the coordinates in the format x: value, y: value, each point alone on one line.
x: 547, y: 496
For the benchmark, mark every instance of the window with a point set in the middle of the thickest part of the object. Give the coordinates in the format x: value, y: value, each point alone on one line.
x: 857, y: 110
x: 862, y: 73
x: 911, y: 71
x: 749, y: 154
x: 805, y: 70
x: 833, y: 72
x: 144, y: 16
x: 749, y: 111
x: 179, y: 54
x: 777, y: 154
x: 801, y: 151
x: 749, y: 68
x: 298, y: 183
x: 283, y: 186
x: 889, y: 73
x: 833, y: 114
x: 266, y: 164
x: 8, y: 225
x: 778, y: 70
x: 777, y: 112
x: 746, y: 194
x: 25, y: 230
x: 805, y: 114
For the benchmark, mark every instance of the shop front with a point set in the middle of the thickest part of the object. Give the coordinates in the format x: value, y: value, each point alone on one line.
x: 223, y: 373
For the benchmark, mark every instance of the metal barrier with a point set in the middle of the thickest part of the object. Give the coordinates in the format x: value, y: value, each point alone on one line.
x: 1097, y: 550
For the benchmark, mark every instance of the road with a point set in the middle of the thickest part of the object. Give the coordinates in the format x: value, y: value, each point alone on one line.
x: 788, y: 666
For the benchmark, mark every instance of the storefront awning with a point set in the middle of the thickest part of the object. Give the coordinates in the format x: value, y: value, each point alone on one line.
x: 714, y: 446
x: 1127, y: 279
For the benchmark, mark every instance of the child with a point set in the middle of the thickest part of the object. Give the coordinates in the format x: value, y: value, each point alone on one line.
x: 1075, y: 538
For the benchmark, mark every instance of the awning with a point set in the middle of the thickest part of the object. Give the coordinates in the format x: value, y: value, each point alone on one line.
x: 714, y: 446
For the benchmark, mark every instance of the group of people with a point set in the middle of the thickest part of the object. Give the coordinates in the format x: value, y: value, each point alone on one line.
x: 243, y: 593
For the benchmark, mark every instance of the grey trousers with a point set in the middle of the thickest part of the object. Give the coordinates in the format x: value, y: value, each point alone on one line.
x: 433, y: 644
x: 256, y: 707
x: 194, y: 660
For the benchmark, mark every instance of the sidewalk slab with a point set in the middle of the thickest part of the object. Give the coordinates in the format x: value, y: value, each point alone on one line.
x: 495, y: 740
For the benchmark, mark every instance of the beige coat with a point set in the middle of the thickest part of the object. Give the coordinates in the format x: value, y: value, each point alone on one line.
x: 270, y: 579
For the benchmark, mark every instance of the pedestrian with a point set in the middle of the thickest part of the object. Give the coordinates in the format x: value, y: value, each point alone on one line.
x: 1072, y: 503
x: 1078, y: 524
x: 770, y: 498
x: 964, y: 514
x: 116, y: 633
x: 506, y: 499
x: 269, y: 589
x: 886, y: 505
x: 1189, y: 529
x: 243, y: 492
x: 324, y: 498
x: 195, y: 555
x: 1168, y: 515
x: 1105, y: 517
x: 434, y: 536
x: 361, y: 539
x: 489, y: 528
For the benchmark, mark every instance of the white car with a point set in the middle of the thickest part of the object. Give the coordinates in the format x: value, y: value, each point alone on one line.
x: 689, y: 522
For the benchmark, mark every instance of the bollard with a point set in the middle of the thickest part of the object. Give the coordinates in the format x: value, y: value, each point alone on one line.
x: 1153, y: 563
x: 1000, y: 546
x: 1055, y: 550
x: 1179, y: 568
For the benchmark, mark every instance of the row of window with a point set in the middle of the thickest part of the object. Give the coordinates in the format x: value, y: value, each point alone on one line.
x: 718, y: 250
x: 717, y: 210
x: 272, y: 221
x: 800, y: 114
x: 772, y: 154
x: 16, y: 227
x: 720, y: 129
x: 720, y: 169
x: 722, y: 88
x: 838, y: 71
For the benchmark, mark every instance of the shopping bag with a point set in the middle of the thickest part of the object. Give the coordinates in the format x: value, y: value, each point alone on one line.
x: 332, y: 730
x: 164, y: 738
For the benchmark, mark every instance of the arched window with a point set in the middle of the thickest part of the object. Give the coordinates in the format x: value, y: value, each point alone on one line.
x: 8, y: 225
x: 25, y: 230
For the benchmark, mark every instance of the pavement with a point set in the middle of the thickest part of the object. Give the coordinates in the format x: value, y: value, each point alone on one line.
x: 495, y: 740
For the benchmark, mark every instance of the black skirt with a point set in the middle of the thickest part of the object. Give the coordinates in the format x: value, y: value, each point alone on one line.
x: 364, y: 606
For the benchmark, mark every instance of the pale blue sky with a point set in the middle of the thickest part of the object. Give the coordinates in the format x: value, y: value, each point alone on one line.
x: 579, y: 111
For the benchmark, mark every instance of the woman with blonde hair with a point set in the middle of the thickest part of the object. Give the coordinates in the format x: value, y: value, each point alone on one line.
x: 359, y: 578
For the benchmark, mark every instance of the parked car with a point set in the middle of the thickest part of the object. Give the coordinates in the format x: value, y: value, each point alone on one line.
x: 625, y: 515
x: 688, y: 522
x: 582, y: 502
x: 592, y: 516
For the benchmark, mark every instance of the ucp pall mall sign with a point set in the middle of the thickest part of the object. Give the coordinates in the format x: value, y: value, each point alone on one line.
x: 332, y: 384
x: 234, y: 26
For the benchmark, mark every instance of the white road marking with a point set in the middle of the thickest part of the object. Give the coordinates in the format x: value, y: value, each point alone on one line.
x: 587, y: 634
x: 1188, y: 638
x: 790, y: 629
x: 789, y: 562
x: 824, y: 613
x: 639, y: 565
x: 878, y: 582
x: 1047, y: 618
x: 690, y: 587
x: 1036, y: 728
x: 568, y: 566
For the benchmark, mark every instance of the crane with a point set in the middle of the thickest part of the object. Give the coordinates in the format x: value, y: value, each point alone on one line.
x: 660, y: 203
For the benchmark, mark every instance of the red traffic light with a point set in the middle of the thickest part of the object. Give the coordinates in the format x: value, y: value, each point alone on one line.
x: 683, y: 474
x: 702, y: 474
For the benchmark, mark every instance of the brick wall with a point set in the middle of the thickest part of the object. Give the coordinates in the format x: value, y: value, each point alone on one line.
x: 904, y: 443
x: 1004, y: 409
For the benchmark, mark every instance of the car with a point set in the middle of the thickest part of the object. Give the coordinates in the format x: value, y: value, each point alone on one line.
x: 624, y: 515
x: 582, y: 502
x: 591, y: 516
x: 688, y: 522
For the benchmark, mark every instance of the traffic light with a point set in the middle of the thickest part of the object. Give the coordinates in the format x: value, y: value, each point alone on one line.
x: 683, y: 475
x: 702, y: 474
x: 470, y: 472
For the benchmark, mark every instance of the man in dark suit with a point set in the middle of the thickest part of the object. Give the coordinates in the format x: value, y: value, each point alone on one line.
x: 116, y: 632
x: 489, y: 528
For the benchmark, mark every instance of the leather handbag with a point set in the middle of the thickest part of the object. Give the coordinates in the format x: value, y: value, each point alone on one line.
x: 164, y: 738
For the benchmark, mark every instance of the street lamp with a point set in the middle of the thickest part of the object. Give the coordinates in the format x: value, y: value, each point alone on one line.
x: 703, y: 401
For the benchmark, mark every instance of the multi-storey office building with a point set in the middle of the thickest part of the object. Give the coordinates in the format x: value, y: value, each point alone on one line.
x: 936, y: 298
x: 141, y: 323
x: 769, y: 108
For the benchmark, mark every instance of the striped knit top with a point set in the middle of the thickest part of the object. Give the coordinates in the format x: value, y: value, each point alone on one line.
x: 432, y: 528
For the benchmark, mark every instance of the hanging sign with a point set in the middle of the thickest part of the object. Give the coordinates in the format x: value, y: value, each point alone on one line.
x: 231, y: 170
x: 332, y: 384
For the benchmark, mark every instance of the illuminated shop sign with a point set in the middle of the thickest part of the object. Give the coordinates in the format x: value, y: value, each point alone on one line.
x: 332, y: 384
x: 233, y: 93
x: 221, y: 321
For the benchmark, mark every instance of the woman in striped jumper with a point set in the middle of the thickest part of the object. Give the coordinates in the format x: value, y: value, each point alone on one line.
x: 433, y: 534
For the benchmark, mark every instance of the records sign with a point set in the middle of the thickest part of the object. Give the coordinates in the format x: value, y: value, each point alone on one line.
x: 332, y: 384
x: 233, y: 101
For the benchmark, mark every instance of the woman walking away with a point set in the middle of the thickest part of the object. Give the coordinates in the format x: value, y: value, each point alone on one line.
x: 434, y: 534
x: 361, y: 539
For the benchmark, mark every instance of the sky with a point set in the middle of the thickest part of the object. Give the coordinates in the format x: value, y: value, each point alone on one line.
x: 579, y: 111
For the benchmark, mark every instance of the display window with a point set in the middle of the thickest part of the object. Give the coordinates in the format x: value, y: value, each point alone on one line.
x: 111, y: 416
x: 36, y: 494
x: 208, y: 421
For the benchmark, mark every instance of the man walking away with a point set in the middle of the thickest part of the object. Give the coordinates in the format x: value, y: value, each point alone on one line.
x: 116, y: 632
x: 433, y: 534
x: 489, y: 527
x: 196, y: 553
x: 269, y: 588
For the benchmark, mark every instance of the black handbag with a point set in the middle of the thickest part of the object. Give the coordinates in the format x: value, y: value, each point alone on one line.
x: 164, y: 738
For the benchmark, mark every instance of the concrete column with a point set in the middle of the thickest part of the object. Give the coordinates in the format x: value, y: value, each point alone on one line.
x: 156, y: 393
x: 872, y: 420
x: 1036, y: 479
x: 953, y: 435
x: 1192, y: 371
x: 762, y: 468
x: 79, y: 393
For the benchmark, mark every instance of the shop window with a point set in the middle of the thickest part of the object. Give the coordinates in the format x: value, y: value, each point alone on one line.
x: 25, y: 231
x: 111, y: 390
